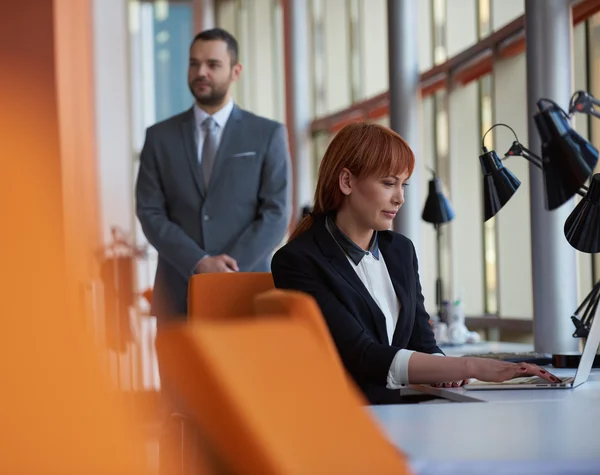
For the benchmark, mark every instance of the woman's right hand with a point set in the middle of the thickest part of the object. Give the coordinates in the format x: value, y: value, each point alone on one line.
x: 490, y: 370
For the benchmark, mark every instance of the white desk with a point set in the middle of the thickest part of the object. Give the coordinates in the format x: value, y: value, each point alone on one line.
x: 550, y: 437
x: 524, y: 432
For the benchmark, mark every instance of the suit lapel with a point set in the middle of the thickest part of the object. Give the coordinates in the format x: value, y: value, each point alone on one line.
x: 188, y: 131
x: 340, y: 263
x: 397, y: 271
x: 228, y: 141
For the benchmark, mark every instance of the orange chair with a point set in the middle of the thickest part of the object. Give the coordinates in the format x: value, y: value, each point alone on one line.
x: 225, y: 294
x: 211, y: 296
x: 302, y: 308
x: 269, y: 400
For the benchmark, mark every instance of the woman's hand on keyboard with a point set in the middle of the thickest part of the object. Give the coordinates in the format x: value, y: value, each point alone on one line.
x: 485, y: 369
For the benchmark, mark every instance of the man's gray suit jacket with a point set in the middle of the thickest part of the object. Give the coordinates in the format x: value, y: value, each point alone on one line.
x: 244, y: 211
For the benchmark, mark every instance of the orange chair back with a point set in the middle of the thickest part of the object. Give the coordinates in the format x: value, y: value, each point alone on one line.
x: 301, y: 307
x: 270, y: 401
x: 225, y: 295
x: 304, y: 309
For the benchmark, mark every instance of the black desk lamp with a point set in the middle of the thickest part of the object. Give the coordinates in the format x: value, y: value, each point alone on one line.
x: 582, y: 230
x: 567, y: 161
x: 438, y: 211
x: 582, y: 227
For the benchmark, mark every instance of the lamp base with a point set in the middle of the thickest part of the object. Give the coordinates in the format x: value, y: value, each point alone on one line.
x: 571, y: 360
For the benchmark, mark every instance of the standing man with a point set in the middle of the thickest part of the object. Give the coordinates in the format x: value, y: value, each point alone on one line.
x: 213, y: 188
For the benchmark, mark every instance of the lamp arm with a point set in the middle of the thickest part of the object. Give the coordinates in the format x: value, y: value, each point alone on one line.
x: 519, y: 149
x: 589, y: 298
x: 590, y: 311
x: 537, y: 161
x: 583, y: 101
x: 531, y: 157
x: 583, y: 316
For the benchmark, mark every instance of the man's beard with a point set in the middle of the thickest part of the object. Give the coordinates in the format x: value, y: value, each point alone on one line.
x: 215, y: 97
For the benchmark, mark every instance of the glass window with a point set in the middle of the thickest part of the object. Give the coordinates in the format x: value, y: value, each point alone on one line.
x: 428, y: 259
x: 337, y: 55
x: 226, y: 18
x: 356, y: 89
x: 258, y: 27
x: 582, y: 123
x: 594, y: 89
x: 484, y: 14
x: 489, y: 227
x: 384, y: 120
x: 172, y: 27
x: 505, y: 11
x: 321, y: 141
x: 278, y: 65
x: 465, y: 189
x: 425, y: 32
x: 593, y: 70
x: 374, y: 47
x: 442, y: 168
x: 318, y: 66
x: 440, y: 52
x: 513, y: 256
x: 461, y: 26
x: 160, y: 36
x: 442, y: 136
x: 242, y: 32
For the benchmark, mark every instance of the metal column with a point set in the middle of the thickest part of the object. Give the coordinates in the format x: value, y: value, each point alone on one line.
x: 404, y: 104
x: 297, y: 100
x: 548, y: 27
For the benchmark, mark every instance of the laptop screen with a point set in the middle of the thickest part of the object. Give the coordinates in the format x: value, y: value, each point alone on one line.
x: 589, y: 352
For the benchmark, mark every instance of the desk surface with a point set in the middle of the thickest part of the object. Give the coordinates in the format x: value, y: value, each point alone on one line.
x: 526, y: 432
x: 550, y: 437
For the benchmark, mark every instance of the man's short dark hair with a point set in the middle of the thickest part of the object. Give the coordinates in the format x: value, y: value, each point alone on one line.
x: 219, y: 34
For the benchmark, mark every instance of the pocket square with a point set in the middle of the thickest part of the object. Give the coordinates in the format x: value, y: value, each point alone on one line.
x: 244, y: 154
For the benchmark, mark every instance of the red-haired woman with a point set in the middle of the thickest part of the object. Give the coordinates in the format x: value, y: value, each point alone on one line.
x: 365, y: 278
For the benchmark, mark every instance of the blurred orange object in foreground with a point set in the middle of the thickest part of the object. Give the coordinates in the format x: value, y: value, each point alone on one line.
x: 58, y: 411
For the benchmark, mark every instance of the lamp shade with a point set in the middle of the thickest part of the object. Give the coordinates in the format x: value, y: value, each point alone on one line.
x: 582, y: 227
x: 438, y: 209
x: 568, y: 159
x: 499, y: 184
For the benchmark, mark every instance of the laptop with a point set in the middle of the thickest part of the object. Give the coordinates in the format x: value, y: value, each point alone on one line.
x: 535, y: 382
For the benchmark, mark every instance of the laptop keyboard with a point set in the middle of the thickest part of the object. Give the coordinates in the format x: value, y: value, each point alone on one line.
x: 534, y: 380
x: 528, y: 380
x: 525, y: 380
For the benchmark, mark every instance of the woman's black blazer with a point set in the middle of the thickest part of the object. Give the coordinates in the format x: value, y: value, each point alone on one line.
x: 315, y: 264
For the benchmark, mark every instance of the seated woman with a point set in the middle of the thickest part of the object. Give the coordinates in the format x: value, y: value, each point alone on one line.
x: 365, y: 278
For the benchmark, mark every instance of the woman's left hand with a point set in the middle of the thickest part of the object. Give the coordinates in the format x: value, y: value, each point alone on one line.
x: 455, y: 384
